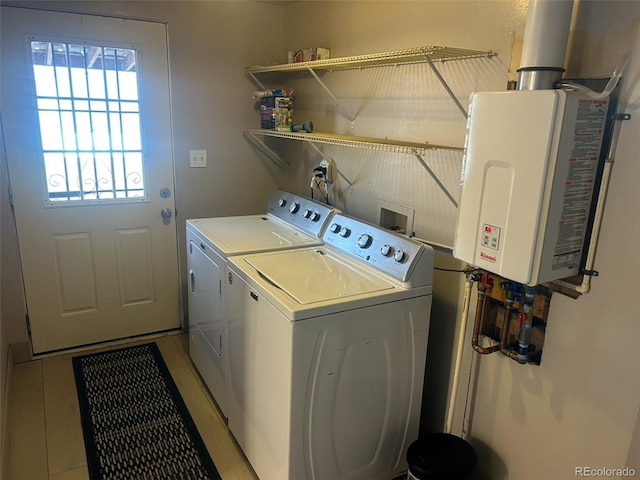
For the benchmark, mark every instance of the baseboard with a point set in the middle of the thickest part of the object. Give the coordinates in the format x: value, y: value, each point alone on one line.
x: 4, y: 444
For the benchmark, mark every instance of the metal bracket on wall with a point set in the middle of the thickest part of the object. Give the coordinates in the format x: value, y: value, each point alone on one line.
x: 446, y: 86
x: 271, y: 155
x: 256, y: 81
x: 437, y: 180
x: 337, y: 102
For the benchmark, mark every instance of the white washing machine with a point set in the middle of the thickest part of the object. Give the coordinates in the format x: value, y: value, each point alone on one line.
x: 327, y: 351
x: 291, y: 221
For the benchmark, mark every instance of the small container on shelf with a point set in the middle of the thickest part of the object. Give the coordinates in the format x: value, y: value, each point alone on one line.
x: 283, y: 114
x: 268, y: 113
x: 311, y: 54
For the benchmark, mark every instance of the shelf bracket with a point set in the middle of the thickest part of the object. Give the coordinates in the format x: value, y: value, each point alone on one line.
x: 273, y: 156
x: 445, y: 85
x: 256, y: 81
x: 330, y: 160
x: 437, y: 180
x: 326, y: 89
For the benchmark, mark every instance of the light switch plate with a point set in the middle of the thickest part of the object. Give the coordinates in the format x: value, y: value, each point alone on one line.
x: 197, y: 158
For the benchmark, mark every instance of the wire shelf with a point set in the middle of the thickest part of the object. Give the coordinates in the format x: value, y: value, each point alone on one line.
x: 378, y: 144
x: 396, y: 57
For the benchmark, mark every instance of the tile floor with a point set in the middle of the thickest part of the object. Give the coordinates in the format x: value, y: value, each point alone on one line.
x: 45, y: 433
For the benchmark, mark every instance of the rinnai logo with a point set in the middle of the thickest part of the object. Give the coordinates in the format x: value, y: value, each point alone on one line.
x: 488, y: 258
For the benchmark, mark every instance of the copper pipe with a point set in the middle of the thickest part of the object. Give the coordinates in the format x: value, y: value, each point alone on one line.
x: 477, y: 326
x: 504, y: 348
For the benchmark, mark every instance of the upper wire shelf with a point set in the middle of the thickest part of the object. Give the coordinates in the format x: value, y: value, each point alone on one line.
x: 396, y: 57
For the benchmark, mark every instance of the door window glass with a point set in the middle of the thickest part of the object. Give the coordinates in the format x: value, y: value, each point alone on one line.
x: 89, y: 115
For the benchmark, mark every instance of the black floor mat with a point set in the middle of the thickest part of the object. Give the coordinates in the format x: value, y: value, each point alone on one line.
x: 134, y: 421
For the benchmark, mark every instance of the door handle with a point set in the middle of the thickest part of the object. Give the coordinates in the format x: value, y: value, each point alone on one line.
x: 166, y: 215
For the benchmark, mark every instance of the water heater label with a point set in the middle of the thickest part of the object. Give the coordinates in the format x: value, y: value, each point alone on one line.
x: 488, y: 257
x: 579, y: 183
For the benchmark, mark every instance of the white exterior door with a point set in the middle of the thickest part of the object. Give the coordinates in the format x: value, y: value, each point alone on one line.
x: 86, y: 115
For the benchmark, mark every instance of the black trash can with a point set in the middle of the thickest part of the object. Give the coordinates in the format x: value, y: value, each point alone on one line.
x: 440, y: 456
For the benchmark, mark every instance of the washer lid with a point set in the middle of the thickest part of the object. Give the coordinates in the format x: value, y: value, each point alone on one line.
x: 251, y: 233
x: 315, y: 275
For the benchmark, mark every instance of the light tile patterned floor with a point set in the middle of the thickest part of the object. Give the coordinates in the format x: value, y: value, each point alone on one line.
x: 45, y: 433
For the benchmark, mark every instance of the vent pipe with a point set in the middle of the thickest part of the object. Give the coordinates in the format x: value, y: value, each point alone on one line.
x: 544, y: 48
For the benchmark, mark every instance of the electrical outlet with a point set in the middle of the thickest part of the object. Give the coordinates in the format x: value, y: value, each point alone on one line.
x: 197, y: 158
x: 328, y: 164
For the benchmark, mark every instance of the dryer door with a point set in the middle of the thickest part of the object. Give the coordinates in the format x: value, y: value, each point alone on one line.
x: 207, y: 323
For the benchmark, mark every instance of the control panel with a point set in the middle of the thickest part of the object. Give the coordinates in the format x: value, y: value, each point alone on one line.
x: 391, y: 253
x: 301, y: 212
x: 490, y: 236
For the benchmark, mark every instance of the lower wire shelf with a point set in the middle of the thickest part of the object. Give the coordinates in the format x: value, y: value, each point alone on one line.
x: 380, y: 144
x: 419, y: 150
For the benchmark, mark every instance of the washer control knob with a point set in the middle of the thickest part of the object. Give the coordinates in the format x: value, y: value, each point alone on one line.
x: 315, y: 216
x: 295, y: 206
x: 334, y: 228
x: 400, y: 256
x: 386, y: 250
x: 364, y: 240
x: 282, y: 202
x: 344, y: 232
x: 306, y: 213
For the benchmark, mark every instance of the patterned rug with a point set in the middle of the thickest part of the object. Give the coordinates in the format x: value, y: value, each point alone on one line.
x: 135, y: 423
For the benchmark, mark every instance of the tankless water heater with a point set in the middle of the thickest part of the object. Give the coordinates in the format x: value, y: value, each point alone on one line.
x: 529, y: 169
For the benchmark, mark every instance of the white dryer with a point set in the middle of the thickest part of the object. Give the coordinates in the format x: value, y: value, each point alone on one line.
x: 291, y: 221
x: 327, y: 350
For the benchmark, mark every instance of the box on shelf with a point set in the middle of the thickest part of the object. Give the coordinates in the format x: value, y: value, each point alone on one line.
x: 276, y: 113
x: 311, y: 54
x: 267, y: 118
x: 268, y: 113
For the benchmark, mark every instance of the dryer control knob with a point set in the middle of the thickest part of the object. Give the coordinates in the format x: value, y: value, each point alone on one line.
x: 344, y: 232
x: 334, y: 228
x: 386, y: 250
x: 306, y: 213
x: 400, y: 256
x: 315, y: 216
x: 294, y: 207
x: 282, y: 202
x: 364, y: 240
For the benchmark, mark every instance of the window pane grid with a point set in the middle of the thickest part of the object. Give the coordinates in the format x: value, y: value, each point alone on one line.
x: 89, y: 113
